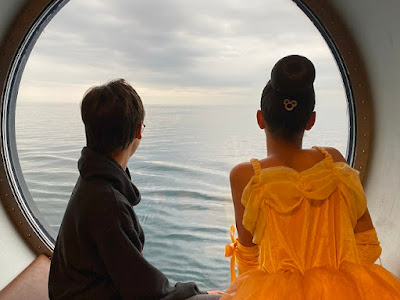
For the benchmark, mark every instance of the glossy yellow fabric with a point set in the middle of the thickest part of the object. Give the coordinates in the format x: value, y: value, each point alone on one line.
x: 245, y: 258
x: 303, y: 224
x: 368, y: 246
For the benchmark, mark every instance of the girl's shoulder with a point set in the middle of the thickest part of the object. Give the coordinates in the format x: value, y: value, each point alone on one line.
x: 241, y: 174
x: 336, y: 155
x: 247, y: 169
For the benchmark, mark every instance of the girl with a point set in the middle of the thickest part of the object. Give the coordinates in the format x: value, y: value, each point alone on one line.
x: 303, y: 224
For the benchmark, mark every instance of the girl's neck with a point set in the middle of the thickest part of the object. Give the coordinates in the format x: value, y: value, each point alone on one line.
x: 278, y: 146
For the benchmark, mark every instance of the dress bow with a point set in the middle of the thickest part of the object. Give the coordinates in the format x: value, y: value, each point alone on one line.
x: 230, y: 251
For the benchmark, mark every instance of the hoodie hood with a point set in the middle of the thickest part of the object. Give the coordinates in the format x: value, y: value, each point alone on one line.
x: 95, y: 166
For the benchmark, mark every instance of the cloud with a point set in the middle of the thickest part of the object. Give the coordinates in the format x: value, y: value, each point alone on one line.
x: 173, y: 48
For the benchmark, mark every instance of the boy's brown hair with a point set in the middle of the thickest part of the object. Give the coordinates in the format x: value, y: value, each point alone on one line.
x: 112, y: 114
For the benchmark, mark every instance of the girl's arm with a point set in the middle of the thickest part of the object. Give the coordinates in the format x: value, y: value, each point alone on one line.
x: 367, y: 241
x: 239, y: 178
x: 364, y: 223
x: 246, y: 253
x: 364, y: 231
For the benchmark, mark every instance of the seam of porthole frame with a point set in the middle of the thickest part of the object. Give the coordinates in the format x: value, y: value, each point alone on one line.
x: 320, y: 12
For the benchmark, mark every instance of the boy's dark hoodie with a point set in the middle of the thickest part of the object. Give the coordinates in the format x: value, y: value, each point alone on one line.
x: 98, y: 253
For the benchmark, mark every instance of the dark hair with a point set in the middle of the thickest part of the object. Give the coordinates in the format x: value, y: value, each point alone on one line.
x: 112, y: 114
x: 292, y: 78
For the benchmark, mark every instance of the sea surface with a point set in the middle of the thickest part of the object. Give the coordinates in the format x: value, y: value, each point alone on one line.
x: 181, y: 168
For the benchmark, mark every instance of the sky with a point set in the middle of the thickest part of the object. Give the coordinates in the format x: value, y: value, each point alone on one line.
x: 175, y: 51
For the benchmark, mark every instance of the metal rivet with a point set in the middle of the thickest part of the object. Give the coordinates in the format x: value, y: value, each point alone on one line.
x: 6, y: 195
x: 29, y: 235
x: 360, y: 84
x: 365, y: 134
x: 39, y: 247
x: 365, y: 118
x: 363, y: 101
x: 13, y: 209
x: 363, y: 151
x: 20, y: 223
x: 360, y: 167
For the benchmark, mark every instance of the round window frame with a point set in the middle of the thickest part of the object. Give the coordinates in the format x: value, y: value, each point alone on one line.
x: 26, y: 29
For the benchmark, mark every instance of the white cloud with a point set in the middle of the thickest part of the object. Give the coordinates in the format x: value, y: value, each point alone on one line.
x: 190, y: 51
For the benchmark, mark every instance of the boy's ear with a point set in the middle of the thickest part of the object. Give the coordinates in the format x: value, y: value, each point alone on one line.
x: 260, y: 119
x: 139, y: 132
x: 311, y: 122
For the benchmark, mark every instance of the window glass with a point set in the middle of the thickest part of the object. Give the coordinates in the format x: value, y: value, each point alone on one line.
x: 200, y: 67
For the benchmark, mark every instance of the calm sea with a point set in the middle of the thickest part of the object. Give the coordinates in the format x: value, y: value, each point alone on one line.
x: 181, y: 168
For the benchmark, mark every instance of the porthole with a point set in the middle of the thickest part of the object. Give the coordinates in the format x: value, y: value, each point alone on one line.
x: 38, y: 226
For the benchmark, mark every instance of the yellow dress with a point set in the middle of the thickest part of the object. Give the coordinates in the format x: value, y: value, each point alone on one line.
x: 303, y: 227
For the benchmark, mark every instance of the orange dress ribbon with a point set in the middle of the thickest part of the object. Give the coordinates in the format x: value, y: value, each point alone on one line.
x: 245, y: 258
x: 230, y: 251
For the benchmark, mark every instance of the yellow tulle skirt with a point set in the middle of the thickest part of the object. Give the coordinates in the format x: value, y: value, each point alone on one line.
x: 350, y: 281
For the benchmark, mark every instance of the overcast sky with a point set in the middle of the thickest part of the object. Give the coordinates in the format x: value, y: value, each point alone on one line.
x: 175, y: 51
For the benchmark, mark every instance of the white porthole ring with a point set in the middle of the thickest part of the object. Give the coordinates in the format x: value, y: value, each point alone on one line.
x: 14, y: 193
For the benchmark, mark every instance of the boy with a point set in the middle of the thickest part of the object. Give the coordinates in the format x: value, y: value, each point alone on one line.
x: 98, y: 253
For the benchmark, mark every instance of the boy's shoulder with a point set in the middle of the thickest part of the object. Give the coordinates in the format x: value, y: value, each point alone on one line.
x: 99, y: 207
x: 98, y: 190
x: 95, y: 199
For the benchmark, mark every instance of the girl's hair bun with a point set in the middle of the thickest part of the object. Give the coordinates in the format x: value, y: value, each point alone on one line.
x: 293, y: 75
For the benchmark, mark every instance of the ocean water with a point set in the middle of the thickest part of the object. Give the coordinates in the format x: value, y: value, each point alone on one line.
x: 181, y: 168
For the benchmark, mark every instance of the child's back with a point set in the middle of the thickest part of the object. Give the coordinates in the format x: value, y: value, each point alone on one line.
x: 297, y: 212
